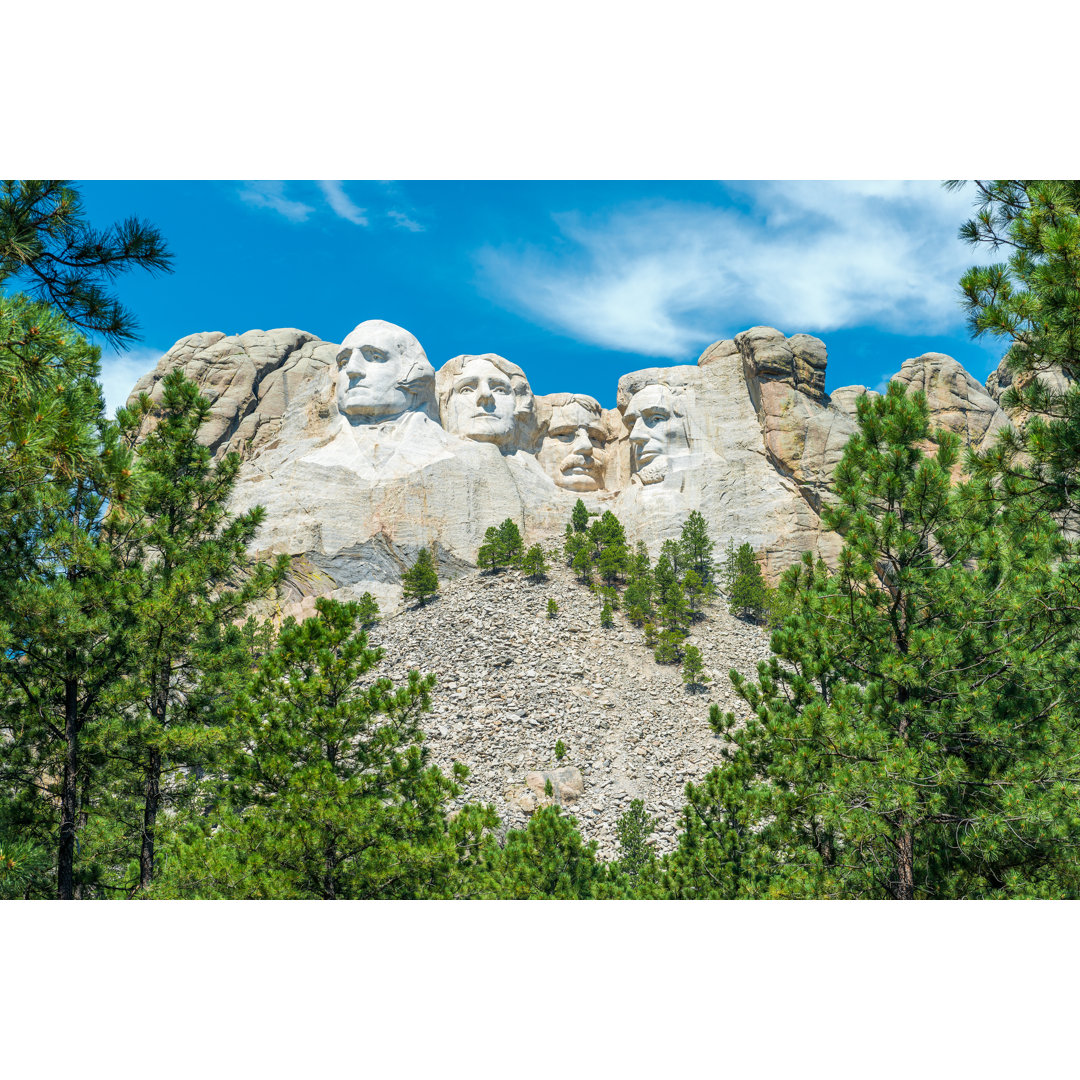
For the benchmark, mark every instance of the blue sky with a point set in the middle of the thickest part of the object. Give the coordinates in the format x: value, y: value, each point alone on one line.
x: 577, y: 282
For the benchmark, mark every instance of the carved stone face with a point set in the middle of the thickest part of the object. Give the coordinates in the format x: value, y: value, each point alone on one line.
x: 657, y: 433
x: 382, y: 373
x: 572, y: 450
x: 482, y: 403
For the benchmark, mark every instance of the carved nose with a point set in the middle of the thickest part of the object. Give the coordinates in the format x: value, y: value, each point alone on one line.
x: 355, y: 365
x: 484, y: 396
x: 582, y: 444
x: 639, y: 433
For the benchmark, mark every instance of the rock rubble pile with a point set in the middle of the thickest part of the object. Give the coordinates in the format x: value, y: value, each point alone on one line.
x: 512, y: 682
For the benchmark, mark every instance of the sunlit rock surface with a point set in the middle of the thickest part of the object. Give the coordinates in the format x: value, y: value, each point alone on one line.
x: 363, y: 452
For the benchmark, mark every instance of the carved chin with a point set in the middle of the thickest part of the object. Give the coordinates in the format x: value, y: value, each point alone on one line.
x: 654, y: 472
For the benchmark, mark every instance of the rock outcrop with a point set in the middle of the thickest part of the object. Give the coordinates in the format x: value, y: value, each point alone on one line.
x: 249, y: 381
x: 957, y: 401
x: 362, y: 453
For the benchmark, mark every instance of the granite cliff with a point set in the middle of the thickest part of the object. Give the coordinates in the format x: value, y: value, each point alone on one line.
x: 362, y: 453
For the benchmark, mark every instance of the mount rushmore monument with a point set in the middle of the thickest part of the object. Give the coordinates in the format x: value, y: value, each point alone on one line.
x: 363, y: 452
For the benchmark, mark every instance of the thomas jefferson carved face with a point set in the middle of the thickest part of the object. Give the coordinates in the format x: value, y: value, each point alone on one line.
x: 486, y: 398
x: 572, y: 450
x: 657, y: 432
x: 382, y: 373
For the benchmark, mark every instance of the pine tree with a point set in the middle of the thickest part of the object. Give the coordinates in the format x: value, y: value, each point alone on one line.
x: 552, y: 608
x: 65, y: 612
x: 573, y: 544
x: 1032, y: 302
x: 696, y: 547
x: 693, y: 671
x: 613, y: 555
x: 491, y: 556
x: 633, y: 829
x: 579, y: 517
x: 675, y: 611
x: 511, y: 542
x: 607, y: 620
x: 548, y: 859
x: 913, y: 735
x: 746, y: 588
x: 331, y: 795
x: 583, y: 565
x: 187, y: 551
x: 367, y: 611
x: 664, y: 578
x: 668, y: 646
x: 421, y: 581
x: 694, y: 590
x: 47, y: 245
x: 533, y: 564
x: 673, y: 552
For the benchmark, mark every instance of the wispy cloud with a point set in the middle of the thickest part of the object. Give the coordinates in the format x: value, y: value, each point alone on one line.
x: 121, y: 371
x: 665, y: 278
x: 340, y: 203
x: 270, y: 195
x: 403, y: 221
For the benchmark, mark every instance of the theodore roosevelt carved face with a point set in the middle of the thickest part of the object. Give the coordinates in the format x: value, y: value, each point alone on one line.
x: 382, y: 373
x: 655, y: 417
x: 571, y: 451
x: 486, y: 398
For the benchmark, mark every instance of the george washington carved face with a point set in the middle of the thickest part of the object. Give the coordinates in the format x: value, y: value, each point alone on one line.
x: 382, y: 373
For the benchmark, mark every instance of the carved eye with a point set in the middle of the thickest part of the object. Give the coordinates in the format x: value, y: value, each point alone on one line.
x: 655, y: 418
x: 376, y: 356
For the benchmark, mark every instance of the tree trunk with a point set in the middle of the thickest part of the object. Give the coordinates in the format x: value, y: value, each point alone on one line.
x: 150, y: 809
x: 152, y: 791
x: 905, y: 865
x: 65, y: 862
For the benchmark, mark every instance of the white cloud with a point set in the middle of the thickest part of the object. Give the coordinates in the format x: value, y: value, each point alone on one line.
x: 121, y: 371
x: 340, y: 203
x: 270, y: 195
x: 403, y: 221
x: 665, y: 278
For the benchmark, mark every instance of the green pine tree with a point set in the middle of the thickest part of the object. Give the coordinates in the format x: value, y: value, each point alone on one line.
x: 533, y: 564
x: 579, y: 517
x: 693, y: 671
x: 513, y: 546
x: 421, y: 581
x: 330, y: 793
x: 47, y: 246
x: 696, y: 547
x: 187, y: 551
x: 491, y: 555
x: 747, y: 592
x: 1032, y: 302
x: 636, y: 851
x: 913, y: 734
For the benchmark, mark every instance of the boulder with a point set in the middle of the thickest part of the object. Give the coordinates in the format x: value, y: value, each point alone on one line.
x: 957, y: 401
x: 567, y: 785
